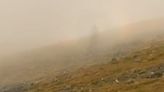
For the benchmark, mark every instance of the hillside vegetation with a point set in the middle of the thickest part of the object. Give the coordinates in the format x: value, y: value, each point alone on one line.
x: 141, y: 71
x: 91, y: 64
x: 138, y: 71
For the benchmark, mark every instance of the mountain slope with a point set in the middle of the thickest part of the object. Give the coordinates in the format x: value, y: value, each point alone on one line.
x: 56, y: 68
x: 138, y: 71
x: 142, y: 71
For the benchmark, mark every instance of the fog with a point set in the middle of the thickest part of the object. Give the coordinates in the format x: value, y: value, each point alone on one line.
x: 34, y: 27
x: 27, y: 24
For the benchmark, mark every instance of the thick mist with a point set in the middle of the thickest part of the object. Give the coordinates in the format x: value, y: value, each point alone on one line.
x: 36, y: 23
x: 42, y: 37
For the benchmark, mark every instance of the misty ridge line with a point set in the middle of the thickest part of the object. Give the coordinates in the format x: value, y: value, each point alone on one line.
x: 84, y: 51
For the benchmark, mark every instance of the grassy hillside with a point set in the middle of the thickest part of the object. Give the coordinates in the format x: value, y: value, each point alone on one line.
x: 141, y: 71
x: 138, y: 71
x: 89, y: 65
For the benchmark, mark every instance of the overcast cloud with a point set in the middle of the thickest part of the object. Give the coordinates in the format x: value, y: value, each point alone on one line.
x: 26, y: 24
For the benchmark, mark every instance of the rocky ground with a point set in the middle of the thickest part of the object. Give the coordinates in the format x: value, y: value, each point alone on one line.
x: 140, y: 71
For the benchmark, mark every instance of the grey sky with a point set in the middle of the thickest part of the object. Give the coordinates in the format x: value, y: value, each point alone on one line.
x: 25, y: 24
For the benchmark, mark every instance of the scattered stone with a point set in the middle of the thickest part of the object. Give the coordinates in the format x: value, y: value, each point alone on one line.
x: 155, y: 75
x: 117, y: 81
x: 102, y: 79
x: 114, y: 61
x: 16, y: 88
